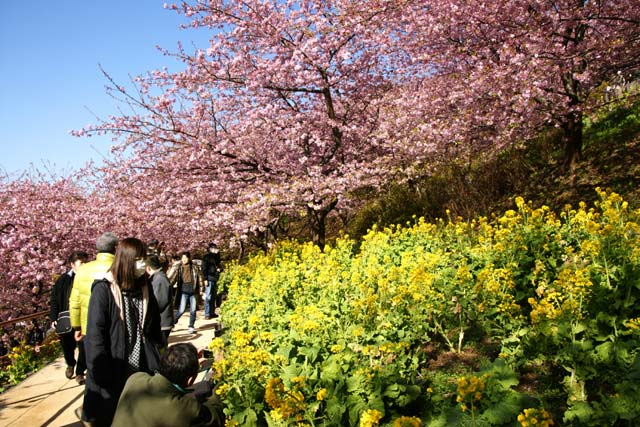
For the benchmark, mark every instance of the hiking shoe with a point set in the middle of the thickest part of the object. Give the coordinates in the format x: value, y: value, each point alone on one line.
x: 80, y: 379
x: 69, y: 372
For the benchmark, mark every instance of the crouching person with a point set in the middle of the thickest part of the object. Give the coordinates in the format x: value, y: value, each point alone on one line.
x: 164, y: 400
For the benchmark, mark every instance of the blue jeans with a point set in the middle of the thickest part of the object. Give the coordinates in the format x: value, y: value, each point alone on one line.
x: 183, y: 307
x: 210, y: 293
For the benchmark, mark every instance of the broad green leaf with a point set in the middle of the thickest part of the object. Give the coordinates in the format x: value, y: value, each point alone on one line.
x: 580, y: 411
x: 356, y: 405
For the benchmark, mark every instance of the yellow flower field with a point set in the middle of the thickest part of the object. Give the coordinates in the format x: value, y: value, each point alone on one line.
x: 544, y: 305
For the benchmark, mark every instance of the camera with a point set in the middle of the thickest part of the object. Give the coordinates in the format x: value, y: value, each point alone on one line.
x: 207, y: 353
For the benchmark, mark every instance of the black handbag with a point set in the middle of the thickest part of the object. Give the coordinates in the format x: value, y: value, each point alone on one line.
x: 63, y: 324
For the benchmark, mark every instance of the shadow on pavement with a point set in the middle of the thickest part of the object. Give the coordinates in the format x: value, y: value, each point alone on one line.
x: 64, y: 408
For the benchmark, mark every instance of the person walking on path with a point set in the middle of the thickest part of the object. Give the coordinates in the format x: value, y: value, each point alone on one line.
x: 85, y: 276
x: 163, y: 292
x: 123, y: 332
x: 211, y: 268
x: 155, y: 248
x: 168, y: 389
x: 60, y: 293
x: 172, y: 270
x: 188, y: 279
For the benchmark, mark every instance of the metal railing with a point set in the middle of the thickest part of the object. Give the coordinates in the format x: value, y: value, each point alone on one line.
x: 4, y: 360
x: 23, y: 318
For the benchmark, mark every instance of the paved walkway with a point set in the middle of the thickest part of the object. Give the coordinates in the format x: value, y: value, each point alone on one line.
x: 48, y: 398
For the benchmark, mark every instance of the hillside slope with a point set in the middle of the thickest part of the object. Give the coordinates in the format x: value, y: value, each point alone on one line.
x: 482, y: 185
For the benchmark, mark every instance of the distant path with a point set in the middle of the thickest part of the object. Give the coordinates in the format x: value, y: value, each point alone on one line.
x: 48, y: 398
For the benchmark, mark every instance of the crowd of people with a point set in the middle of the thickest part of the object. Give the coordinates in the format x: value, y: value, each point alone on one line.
x: 114, y: 315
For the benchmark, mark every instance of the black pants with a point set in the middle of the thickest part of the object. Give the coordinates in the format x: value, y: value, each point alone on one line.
x: 69, y: 345
x: 165, y: 335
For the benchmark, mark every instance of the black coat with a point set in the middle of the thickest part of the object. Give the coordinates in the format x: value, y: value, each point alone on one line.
x: 60, y: 296
x: 164, y: 295
x: 105, y: 350
x: 211, y: 266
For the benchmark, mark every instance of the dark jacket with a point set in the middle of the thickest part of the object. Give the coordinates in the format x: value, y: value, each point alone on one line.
x: 211, y: 266
x: 153, y: 401
x: 60, y: 296
x: 164, y: 295
x: 105, y: 348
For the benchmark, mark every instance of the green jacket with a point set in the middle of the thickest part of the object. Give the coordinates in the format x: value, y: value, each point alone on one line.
x: 153, y: 401
x: 81, y: 292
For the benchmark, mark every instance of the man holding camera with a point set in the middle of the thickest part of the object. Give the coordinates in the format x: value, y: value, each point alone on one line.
x: 164, y: 399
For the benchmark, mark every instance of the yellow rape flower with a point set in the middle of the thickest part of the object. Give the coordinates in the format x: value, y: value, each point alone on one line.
x: 535, y: 417
x: 407, y: 422
x: 633, y: 324
x: 370, y: 418
x: 272, y: 392
x: 471, y: 388
x: 222, y: 389
x: 336, y: 348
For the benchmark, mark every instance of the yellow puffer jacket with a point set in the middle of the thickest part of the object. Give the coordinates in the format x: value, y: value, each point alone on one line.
x: 81, y: 292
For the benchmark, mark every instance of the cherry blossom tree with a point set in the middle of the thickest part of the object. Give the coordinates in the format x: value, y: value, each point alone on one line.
x: 278, y: 115
x: 40, y: 225
x: 295, y: 105
x: 43, y: 219
x: 503, y: 71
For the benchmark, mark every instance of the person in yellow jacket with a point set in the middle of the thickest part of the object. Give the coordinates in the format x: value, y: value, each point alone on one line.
x: 85, y: 276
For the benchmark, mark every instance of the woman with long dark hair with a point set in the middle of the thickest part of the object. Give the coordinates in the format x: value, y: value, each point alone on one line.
x: 123, y: 332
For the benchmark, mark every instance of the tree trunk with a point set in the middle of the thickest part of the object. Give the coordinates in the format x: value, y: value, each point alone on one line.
x: 241, y: 253
x: 318, y: 223
x: 572, y: 128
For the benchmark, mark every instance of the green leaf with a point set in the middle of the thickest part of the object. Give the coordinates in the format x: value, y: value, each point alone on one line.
x: 634, y: 370
x: 310, y: 352
x: 285, y: 351
x: 393, y: 391
x: 579, y: 327
x: 440, y: 421
x: 355, y: 383
x: 503, y: 412
x: 402, y: 394
x: 331, y: 370
x: 290, y: 371
x: 246, y: 418
x: 605, y: 351
x: 356, y: 405
x: 580, y: 411
x: 335, y: 411
x: 626, y: 407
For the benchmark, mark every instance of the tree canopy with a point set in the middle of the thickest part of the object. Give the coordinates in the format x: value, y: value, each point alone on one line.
x: 293, y: 107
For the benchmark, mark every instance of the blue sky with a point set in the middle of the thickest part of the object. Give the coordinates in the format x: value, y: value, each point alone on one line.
x: 50, y: 81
